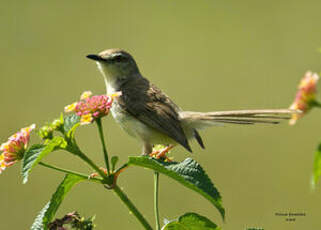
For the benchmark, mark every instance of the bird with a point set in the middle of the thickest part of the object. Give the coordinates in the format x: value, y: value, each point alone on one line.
x: 149, y: 115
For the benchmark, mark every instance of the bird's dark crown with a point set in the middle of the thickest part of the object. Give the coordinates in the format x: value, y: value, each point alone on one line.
x: 116, y: 55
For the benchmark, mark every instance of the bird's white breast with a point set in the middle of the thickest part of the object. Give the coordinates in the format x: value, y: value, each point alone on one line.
x: 138, y: 129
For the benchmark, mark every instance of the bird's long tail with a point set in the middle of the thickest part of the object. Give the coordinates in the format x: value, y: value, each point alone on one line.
x: 199, y: 120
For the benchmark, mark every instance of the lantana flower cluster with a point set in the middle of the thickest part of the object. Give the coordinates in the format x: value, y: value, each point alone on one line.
x: 91, y: 107
x: 13, y: 150
x: 306, y: 96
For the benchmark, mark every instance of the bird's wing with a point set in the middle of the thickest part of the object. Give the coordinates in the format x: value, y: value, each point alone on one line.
x: 151, y: 106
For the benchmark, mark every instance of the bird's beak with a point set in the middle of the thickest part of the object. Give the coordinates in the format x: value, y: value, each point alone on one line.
x: 95, y: 57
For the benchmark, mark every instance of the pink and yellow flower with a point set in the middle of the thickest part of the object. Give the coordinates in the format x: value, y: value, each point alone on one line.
x: 91, y: 107
x: 14, y: 149
x: 305, y: 97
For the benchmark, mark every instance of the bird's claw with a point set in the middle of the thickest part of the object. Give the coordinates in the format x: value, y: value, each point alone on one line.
x: 161, y: 154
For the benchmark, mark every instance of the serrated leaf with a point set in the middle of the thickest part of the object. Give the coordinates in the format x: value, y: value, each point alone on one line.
x: 47, y: 214
x: 191, y: 221
x: 317, y: 166
x: 37, y: 152
x: 188, y: 172
x: 71, y: 122
x: 38, y: 223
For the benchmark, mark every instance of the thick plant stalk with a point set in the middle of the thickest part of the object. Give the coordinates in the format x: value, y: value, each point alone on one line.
x: 156, y: 210
x: 132, y: 207
x: 90, y: 163
x: 101, y: 135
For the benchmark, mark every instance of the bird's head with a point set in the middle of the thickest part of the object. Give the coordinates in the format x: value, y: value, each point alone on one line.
x: 115, y: 63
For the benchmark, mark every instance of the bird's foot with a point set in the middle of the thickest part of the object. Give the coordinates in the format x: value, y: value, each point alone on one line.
x: 161, y: 154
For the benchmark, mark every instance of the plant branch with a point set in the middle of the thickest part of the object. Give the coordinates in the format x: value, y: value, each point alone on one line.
x: 132, y: 207
x: 101, y: 135
x: 317, y: 103
x: 156, y: 210
x: 75, y: 150
x: 100, y: 181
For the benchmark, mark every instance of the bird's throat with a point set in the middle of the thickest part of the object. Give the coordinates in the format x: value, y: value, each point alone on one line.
x: 110, y: 78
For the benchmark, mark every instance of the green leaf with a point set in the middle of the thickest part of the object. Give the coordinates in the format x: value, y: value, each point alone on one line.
x: 254, y: 229
x: 188, y: 172
x: 317, y: 166
x: 38, y: 223
x: 47, y: 214
x: 191, y: 221
x: 36, y: 152
x: 71, y: 122
x: 114, y: 160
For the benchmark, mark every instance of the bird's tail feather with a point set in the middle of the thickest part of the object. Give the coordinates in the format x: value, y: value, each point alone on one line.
x: 201, y: 120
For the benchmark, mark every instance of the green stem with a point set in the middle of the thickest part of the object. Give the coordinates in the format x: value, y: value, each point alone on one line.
x: 75, y: 150
x: 100, y: 181
x: 132, y: 208
x: 317, y: 103
x: 101, y: 135
x: 156, y: 210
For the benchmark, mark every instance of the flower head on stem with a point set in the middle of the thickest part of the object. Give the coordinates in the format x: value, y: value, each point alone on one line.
x: 305, y: 98
x: 13, y: 150
x: 90, y: 108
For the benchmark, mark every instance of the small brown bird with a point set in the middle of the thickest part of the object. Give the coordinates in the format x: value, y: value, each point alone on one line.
x: 148, y: 114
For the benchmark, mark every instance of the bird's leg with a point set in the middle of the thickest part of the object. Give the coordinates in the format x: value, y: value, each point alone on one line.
x: 147, y: 148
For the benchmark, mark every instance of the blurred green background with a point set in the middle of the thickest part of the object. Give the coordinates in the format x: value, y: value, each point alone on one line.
x: 207, y: 55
